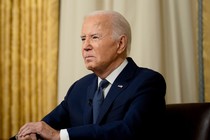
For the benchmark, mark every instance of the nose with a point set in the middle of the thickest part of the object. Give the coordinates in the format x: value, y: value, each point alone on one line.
x: 87, y: 44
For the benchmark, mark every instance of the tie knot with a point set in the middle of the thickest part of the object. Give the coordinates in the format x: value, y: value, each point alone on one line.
x: 104, y: 83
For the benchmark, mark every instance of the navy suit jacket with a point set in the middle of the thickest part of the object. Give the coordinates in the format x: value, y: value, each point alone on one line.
x: 132, y: 109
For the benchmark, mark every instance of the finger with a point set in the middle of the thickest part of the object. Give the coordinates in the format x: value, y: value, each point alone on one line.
x: 33, y: 136
x: 24, y: 128
x: 27, y: 129
x: 47, y: 132
x: 27, y: 137
x: 21, y: 129
x: 16, y: 136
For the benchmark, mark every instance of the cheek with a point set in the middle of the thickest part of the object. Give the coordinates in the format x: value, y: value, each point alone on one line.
x: 84, y: 52
x: 110, y: 51
x: 106, y: 49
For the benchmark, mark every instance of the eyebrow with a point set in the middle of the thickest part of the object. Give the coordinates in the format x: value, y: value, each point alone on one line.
x: 82, y: 36
x: 90, y: 35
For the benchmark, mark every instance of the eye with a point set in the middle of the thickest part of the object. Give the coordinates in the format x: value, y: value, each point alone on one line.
x: 95, y: 37
x: 83, y: 38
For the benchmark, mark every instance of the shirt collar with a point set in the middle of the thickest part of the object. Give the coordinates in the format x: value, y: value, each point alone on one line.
x: 112, y: 76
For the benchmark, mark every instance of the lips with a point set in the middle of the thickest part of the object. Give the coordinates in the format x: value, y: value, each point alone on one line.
x: 88, y: 57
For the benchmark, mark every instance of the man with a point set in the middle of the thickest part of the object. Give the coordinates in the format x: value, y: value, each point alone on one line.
x: 133, y: 102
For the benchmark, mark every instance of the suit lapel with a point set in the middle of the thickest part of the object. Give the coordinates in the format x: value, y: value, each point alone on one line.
x: 115, y: 90
x: 118, y: 86
x: 88, y: 113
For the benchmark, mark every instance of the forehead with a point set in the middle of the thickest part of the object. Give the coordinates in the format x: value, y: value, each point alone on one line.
x: 97, y: 23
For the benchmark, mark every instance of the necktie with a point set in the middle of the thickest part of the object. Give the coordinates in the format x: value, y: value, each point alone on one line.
x: 98, y: 99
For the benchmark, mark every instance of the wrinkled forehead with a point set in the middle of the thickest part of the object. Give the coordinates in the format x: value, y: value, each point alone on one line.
x: 96, y: 24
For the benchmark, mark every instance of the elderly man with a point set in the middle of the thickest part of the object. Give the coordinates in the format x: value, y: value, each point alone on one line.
x: 119, y: 100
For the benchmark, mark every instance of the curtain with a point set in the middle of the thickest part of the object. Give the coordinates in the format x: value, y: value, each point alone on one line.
x: 164, y: 39
x: 28, y: 62
x: 206, y: 48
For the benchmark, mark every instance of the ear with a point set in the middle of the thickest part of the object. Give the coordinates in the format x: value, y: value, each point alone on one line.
x: 122, y: 44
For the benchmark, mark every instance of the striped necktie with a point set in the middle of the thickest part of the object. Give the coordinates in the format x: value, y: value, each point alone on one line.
x: 98, y: 99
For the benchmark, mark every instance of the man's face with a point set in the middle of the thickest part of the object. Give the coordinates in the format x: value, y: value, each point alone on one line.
x: 99, y: 49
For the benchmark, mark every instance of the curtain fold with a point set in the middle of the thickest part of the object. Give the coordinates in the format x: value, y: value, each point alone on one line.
x: 28, y: 61
x: 180, y: 47
x: 206, y: 48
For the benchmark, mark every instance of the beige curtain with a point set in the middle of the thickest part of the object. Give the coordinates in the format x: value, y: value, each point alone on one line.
x: 164, y: 39
x: 28, y: 62
x: 206, y: 48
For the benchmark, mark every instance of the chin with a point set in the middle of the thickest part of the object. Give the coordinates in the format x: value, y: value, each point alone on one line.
x: 89, y: 67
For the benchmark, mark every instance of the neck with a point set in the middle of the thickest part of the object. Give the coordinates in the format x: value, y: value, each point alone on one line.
x: 104, y: 72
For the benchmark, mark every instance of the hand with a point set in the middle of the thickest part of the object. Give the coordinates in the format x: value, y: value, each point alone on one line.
x: 40, y: 128
x: 27, y: 137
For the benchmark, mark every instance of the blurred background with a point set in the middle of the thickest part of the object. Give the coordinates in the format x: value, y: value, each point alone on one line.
x: 40, y: 51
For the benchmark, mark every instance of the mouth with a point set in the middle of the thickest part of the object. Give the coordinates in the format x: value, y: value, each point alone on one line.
x: 88, y: 57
